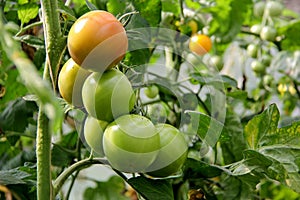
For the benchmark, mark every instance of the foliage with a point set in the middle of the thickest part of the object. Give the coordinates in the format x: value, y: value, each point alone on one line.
x: 242, y: 125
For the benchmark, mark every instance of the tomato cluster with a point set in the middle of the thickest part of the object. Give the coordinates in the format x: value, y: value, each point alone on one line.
x: 130, y: 142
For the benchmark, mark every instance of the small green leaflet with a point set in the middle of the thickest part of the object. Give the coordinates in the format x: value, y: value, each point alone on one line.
x: 27, y: 12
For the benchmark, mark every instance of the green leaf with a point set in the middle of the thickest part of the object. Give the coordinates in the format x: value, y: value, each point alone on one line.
x: 193, y: 168
x: 116, y: 7
x: 13, y: 176
x: 233, y: 143
x: 261, y: 125
x: 208, y: 128
x: 14, y: 88
x: 16, y: 115
x: 90, y: 5
x: 228, y: 17
x: 172, y: 6
x: 62, y: 153
x: 110, y: 190
x: 193, y: 4
x: 288, y: 135
x: 253, y: 160
x: 291, y: 41
x: 32, y: 41
x: 149, y: 10
x: 27, y: 12
x: 152, y: 189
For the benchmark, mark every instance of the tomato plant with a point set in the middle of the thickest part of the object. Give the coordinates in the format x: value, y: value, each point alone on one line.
x: 107, y: 96
x: 75, y: 112
x: 97, y: 41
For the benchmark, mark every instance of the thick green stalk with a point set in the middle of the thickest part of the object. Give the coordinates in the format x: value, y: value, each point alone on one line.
x: 43, y: 153
x: 55, y: 45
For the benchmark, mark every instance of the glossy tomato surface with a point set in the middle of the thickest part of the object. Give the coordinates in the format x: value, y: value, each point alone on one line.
x: 93, y: 133
x: 200, y: 44
x: 70, y: 81
x: 172, y: 153
x: 97, y: 41
x: 131, y: 143
x: 108, y: 95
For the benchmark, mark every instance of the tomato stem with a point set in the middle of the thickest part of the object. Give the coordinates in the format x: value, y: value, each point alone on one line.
x: 60, y: 180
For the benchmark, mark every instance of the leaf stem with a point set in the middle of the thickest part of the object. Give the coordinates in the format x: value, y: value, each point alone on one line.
x: 60, y: 180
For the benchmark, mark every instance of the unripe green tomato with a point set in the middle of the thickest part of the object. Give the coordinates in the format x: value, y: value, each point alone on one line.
x: 108, y: 95
x: 256, y: 28
x: 93, y: 133
x: 258, y: 67
x: 252, y: 50
x: 151, y: 91
x: 70, y: 81
x: 267, y: 80
x: 268, y: 33
x: 158, y: 112
x: 259, y: 9
x: 131, y: 143
x: 274, y: 8
x: 97, y: 41
x: 216, y: 61
x: 266, y: 59
x: 172, y: 153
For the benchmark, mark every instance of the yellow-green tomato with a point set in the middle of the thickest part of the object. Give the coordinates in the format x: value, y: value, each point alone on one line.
x: 151, y: 91
x: 172, y: 153
x: 256, y: 28
x: 93, y: 133
x: 274, y: 8
x: 131, y: 143
x: 70, y: 81
x: 259, y: 8
x: 108, y: 95
x: 97, y: 41
x: 268, y: 33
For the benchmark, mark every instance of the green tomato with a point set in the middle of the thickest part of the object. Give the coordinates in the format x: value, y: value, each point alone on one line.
x: 158, y: 112
x: 258, y: 67
x: 93, y: 133
x: 172, y: 153
x: 268, y: 33
x: 274, y: 8
x: 108, y: 95
x: 70, y: 81
x: 259, y: 9
x: 252, y: 50
x: 266, y: 59
x: 216, y: 61
x: 268, y: 80
x: 151, y: 91
x: 131, y: 143
x: 256, y: 28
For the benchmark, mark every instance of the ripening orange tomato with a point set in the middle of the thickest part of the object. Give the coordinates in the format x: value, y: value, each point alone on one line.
x: 97, y: 41
x: 200, y: 44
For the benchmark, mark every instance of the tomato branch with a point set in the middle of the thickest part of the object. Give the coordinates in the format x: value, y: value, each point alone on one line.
x: 60, y: 180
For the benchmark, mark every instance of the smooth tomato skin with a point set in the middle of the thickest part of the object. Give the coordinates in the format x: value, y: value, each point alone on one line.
x: 172, y: 153
x: 252, y: 50
x: 108, y: 95
x: 70, y: 81
x: 200, y: 44
x: 259, y: 8
x: 151, y: 91
x: 97, y: 41
x: 274, y: 8
x: 216, y: 61
x: 268, y: 33
x: 131, y: 143
x: 93, y: 133
x: 256, y: 28
x: 258, y: 67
